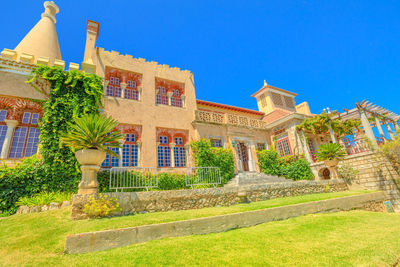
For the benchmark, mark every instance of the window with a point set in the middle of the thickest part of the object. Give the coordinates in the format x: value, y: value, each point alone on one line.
x: 283, y: 146
x: 113, y: 89
x: 130, y: 91
x: 161, y: 97
x: 111, y: 161
x: 163, y: 152
x: 176, y: 98
x: 26, y: 137
x: 260, y: 146
x: 3, y: 127
x: 179, y: 153
x: 277, y: 99
x: 215, y: 142
x: 130, y: 151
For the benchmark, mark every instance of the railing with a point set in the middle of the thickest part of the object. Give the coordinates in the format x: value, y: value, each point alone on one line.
x: 380, y: 141
x: 122, y: 178
x: 313, y: 155
x: 354, y: 146
x: 202, y: 176
x: 213, y: 117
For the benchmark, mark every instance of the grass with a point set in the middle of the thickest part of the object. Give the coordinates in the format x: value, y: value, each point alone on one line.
x: 340, y: 239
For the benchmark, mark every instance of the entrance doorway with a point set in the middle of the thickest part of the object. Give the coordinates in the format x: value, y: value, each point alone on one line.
x: 243, y: 156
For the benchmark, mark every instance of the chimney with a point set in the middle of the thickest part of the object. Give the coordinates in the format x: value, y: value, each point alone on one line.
x: 50, y: 10
x: 92, y: 32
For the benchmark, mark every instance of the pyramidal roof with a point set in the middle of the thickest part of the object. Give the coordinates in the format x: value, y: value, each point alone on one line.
x: 42, y: 40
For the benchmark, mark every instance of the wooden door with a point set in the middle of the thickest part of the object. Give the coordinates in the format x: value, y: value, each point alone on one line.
x: 244, y: 157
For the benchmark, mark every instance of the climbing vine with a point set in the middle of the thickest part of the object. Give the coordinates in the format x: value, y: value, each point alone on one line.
x: 72, y: 94
x: 319, y: 124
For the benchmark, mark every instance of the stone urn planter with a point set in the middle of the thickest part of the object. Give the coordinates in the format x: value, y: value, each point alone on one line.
x: 90, y: 160
x: 332, y: 166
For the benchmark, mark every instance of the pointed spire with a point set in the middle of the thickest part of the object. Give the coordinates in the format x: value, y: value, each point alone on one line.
x: 42, y: 40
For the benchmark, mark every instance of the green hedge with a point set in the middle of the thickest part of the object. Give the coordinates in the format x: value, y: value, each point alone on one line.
x: 207, y: 156
x: 291, y: 167
x: 31, y: 177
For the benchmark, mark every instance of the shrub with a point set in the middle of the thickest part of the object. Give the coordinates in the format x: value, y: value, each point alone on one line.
x: 102, y: 206
x: 292, y: 167
x: 31, y: 177
x: 44, y: 198
x: 347, y: 172
x: 207, y: 156
x: 391, y: 150
x: 269, y: 162
x: 167, y: 181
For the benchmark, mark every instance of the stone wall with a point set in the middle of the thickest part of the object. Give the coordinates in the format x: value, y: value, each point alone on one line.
x: 153, y: 201
x: 375, y: 173
x: 102, y: 240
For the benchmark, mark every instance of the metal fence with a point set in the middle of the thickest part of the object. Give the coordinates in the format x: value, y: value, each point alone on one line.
x: 122, y: 178
x: 195, y: 176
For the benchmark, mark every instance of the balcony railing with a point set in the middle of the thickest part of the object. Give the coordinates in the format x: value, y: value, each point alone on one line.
x: 352, y: 146
x: 213, y: 117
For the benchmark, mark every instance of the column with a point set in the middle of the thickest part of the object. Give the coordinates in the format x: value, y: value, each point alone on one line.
x: 183, y: 99
x: 378, y: 124
x: 139, y: 89
x: 120, y: 151
x: 169, y: 94
x: 11, y: 124
x: 250, y: 146
x: 139, y: 153
x: 389, y: 130
x: 396, y: 126
x: 123, y: 87
x: 171, y: 146
x: 333, y: 138
x: 367, y: 128
x: 305, y: 147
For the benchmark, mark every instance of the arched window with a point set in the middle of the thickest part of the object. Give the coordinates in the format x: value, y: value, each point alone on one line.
x: 163, y: 152
x: 161, y: 97
x: 131, y: 90
x: 130, y: 151
x: 176, y: 98
x: 3, y: 127
x: 179, y: 152
x: 114, y: 88
x: 26, y: 137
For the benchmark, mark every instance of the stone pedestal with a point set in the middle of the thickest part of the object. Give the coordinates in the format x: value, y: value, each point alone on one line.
x: 89, y: 183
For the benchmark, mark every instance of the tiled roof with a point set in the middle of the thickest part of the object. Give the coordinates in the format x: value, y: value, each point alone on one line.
x: 212, y: 104
x: 276, y: 115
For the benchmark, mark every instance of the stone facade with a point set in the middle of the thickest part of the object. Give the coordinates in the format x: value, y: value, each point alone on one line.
x: 155, y: 201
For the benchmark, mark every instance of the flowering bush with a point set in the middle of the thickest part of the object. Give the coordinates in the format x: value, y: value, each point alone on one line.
x: 102, y: 206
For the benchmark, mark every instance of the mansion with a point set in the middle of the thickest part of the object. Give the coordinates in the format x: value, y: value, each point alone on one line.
x: 154, y: 103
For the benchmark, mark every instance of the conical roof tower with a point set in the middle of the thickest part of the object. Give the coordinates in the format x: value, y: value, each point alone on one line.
x: 42, y: 40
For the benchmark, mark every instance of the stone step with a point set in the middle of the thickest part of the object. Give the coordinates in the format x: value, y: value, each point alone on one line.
x: 249, y: 178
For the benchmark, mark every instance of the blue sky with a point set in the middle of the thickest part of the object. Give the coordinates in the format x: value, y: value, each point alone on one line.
x: 332, y: 53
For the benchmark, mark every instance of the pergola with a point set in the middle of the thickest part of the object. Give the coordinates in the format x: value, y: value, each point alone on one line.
x: 363, y: 111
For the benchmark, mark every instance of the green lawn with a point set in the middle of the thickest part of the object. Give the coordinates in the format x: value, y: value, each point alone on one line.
x: 355, y: 238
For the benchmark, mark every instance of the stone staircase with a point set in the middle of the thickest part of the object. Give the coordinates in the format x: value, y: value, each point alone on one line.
x: 252, y: 178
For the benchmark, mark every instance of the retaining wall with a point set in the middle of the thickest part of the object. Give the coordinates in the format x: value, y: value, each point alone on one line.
x: 102, y: 240
x: 152, y: 201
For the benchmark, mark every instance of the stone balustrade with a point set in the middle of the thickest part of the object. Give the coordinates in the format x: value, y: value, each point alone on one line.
x: 232, y: 119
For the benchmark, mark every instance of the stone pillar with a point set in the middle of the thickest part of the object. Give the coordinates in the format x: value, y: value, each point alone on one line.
x: 378, y: 124
x: 389, y: 130
x: 333, y: 138
x: 396, y: 126
x: 11, y: 125
x: 183, y: 99
x: 89, y: 183
x: 123, y: 87
x: 171, y: 146
x: 250, y: 147
x: 120, y: 150
x: 139, y: 153
x: 305, y: 147
x: 169, y: 94
x: 140, y: 90
x: 237, y: 156
x: 367, y: 128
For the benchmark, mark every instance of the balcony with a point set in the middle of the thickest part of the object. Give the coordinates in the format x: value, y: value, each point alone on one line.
x: 229, y: 119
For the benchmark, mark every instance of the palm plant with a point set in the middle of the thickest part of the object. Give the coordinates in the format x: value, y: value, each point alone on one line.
x: 330, y: 151
x: 93, y: 131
